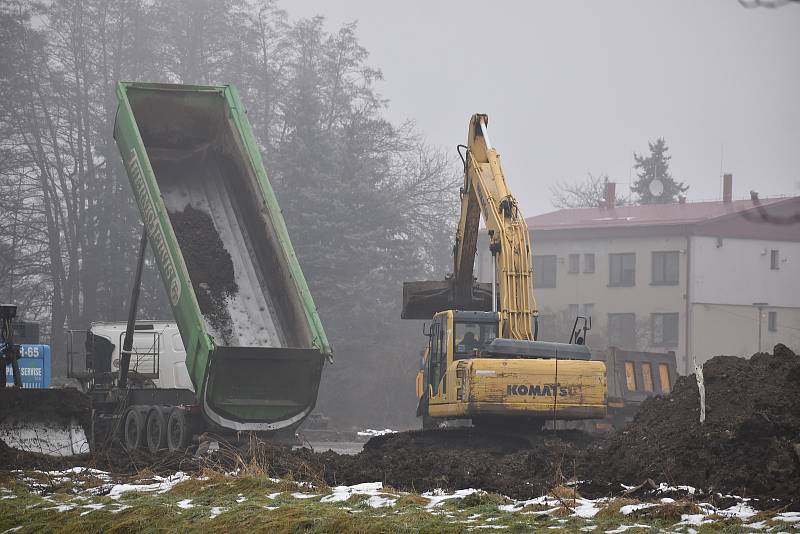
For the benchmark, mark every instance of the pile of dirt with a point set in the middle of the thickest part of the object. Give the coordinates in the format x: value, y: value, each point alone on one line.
x: 59, y: 403
x: 209, y: 264
x: 51, y: 405
x: 464, y: 458
x: 749, y: 444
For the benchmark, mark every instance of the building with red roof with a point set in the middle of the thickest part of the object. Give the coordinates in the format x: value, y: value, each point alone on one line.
x: 696, y: 278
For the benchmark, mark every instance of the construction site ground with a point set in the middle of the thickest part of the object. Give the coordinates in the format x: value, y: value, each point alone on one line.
x: 738, y: 471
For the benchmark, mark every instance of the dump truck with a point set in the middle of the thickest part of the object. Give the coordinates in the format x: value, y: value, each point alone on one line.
x: 252, y: 344
x: 483, y: 360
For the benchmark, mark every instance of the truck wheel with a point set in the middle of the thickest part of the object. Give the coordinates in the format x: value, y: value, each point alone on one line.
x: 133, y: 429
x: 156, y: 430
x: 177, y: 430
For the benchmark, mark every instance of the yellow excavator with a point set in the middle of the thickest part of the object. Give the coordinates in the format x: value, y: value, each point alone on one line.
x: 483, y: 360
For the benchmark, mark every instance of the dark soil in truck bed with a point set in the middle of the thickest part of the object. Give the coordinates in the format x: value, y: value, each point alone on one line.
x: 209, y: 264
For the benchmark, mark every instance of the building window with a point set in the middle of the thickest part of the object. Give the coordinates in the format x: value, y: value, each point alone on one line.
x: 663, y: 374
x: 622, y: 269
x: 774, y: 260
x: 622, y: 330
x: 544, y: 271
x: 588, y: 310
x: 574, y: 263
x: 772, y: 321
x: 588, y: 263
x: 665, y: 268
x: 647, y: 376
x: 572, y: 312
x: 630, y: 376
x: 664, y: 329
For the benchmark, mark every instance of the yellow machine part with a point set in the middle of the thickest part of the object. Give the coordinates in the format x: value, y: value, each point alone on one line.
x: 568, y: 389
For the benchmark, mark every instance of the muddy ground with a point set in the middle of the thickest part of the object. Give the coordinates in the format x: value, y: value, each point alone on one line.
x: 748, y: 446
x: 749, y: 443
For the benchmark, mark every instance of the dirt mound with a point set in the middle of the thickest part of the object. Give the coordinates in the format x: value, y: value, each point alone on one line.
x: 746, y: 445
x: 53, y: 405
x: 210, y: 266
x: 463, y: 458
x: 56, y: 402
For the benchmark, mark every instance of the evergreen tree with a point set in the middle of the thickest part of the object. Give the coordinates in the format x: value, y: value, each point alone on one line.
x: 656, y: 167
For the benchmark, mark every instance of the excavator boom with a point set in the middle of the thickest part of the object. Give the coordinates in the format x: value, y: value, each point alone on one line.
x: 484, y: 192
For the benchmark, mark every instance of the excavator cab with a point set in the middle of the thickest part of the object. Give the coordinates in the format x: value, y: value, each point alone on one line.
x: 472, y: 332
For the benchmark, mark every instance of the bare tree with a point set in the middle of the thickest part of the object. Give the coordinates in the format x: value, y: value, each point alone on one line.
x: 587, y: 194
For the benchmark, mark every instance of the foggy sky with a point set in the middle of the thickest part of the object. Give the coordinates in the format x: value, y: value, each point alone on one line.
x: 576, y: 87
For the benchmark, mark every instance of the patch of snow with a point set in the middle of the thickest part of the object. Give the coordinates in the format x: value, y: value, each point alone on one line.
x: 298, y: 495
x: 120, y: 507
x: 342, y: 493
x: 270, y: 508
x: 757, y: 525
x: 623, y: 528
x: 162, y: 485
x: 216, y: 510
x: 587, y: 508
x: 377, y: 501
x: 630, y: 508
x: 370, y: 432
x: 92, y: 508
x: 438, y: 496
x: 12, y: 529
x: 789, y: 517
x: 4, y: 497
x: 273, y: 496
x: 240, y: 499
x: 494, y: 526
x: 185, y: 504
x: 740, y: 511
x: 62, y: 508
x: 588, y: 528
x: 665, y: 488
x: 694, y: 519
x: 667, y: 500
x: 104, y: 475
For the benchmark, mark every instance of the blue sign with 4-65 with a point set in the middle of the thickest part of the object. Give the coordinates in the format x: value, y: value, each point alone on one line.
x: 34, y: 367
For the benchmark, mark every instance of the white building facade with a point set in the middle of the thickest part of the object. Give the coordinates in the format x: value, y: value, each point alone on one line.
x: 699, y: 279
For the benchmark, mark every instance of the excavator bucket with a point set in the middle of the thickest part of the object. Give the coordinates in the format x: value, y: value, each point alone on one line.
x: 421, y: 300
x: 45, y: 421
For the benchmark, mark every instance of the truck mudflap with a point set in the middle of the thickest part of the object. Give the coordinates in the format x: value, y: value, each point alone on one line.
x: 262, y: 388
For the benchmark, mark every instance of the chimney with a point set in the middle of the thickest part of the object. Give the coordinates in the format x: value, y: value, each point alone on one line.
x: 727, y: 188
x: 611, y: 195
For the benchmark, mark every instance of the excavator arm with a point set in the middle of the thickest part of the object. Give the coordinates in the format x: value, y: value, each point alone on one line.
x: 484, y: 193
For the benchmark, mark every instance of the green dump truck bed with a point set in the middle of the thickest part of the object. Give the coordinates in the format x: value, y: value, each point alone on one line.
x: 254, y: 343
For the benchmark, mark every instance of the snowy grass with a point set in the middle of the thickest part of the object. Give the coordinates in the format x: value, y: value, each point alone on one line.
x: 93, y: 501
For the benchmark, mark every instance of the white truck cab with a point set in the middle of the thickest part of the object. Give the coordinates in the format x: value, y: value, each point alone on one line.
x: 158, y: 354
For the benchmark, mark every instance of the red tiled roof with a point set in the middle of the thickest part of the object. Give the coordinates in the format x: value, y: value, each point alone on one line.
x: 646, y: 215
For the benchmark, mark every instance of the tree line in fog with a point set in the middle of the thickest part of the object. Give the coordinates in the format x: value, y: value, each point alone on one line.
x: 367, y: 202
